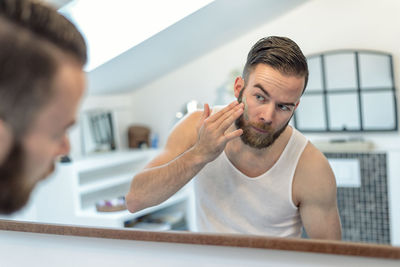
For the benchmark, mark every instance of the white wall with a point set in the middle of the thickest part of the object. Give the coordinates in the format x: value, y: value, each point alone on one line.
x: 317, y: 26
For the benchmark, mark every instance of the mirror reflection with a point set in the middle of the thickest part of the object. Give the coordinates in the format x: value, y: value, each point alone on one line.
x: 147, y: 86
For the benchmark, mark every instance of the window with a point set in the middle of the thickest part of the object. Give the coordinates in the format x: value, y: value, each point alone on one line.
x: 348, y: 91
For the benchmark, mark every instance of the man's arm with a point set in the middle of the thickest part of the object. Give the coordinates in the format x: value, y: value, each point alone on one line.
x: 315, y: 191
x: 194, y: 142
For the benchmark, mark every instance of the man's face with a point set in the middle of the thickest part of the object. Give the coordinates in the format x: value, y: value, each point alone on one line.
x: 32, y: 158
x: 270, y: 99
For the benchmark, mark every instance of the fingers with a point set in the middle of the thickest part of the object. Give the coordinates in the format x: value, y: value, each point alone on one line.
x: 228, y: 120
x: 220, y: 113
x: 205, y: 115
x: 206, y: 112
x: 229, y: 117
x: 212, y: 129
x: 233, y: 135
x: 223, y: 119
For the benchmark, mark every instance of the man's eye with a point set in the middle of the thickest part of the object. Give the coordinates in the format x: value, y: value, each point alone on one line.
x: 284, y: 107
x: 260, y: 98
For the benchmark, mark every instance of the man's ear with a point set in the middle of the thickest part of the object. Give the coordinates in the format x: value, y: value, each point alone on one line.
x: 239, y: 85
x: 5, y: 140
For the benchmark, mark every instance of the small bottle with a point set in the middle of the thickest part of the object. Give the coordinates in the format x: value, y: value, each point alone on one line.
x: 154, y: 140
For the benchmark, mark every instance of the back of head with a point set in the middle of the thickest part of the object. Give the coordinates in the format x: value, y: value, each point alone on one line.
x: 34, y: 40
x: 45, y: 22
x: 281, y: 53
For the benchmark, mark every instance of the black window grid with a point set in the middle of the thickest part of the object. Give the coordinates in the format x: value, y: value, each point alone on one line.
x: 358, y: 90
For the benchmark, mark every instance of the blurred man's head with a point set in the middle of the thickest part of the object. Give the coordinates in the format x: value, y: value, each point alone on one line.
x: 41, y: 83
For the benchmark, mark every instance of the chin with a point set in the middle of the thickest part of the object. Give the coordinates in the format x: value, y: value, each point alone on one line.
x: 43, y: 174
x: 49, y: 172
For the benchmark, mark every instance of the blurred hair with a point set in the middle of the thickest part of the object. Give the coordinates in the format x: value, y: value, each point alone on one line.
x: 34, y: 40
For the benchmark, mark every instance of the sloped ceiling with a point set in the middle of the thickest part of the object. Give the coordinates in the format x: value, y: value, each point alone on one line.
x: 212, y: 26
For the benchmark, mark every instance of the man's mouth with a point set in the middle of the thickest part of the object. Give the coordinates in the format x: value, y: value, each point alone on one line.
x: 259, y: 130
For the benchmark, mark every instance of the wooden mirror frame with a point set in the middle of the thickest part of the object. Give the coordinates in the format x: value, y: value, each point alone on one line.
x: 230, y: 240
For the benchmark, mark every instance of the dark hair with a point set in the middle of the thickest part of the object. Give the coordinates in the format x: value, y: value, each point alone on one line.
x: 281, y: 53
x: 45, y: 22
x: 34, y: 40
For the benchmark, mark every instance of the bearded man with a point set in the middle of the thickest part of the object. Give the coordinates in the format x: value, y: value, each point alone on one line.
x: 253, y: 174
x: 41, y: 83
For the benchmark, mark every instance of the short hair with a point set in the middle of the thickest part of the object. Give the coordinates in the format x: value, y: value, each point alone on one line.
x: 281, y: 53
x: 34, y: 38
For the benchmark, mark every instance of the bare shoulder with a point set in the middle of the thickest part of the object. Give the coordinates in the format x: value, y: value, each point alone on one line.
x: 185, y: 132
x: 182, y: 137
x: 314, y: 192
x: 313, y: 160
x: 314, y: 178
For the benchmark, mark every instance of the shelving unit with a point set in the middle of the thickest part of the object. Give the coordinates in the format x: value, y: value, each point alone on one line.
x: 69, y: 197
x: 115, y: 219
x: 96, y: 186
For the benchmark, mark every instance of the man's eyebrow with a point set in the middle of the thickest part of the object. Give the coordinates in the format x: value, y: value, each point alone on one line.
x: 71, y: 123
x: 259, y: 86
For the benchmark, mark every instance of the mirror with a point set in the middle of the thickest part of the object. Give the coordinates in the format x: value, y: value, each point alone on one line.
x: 153, y: 98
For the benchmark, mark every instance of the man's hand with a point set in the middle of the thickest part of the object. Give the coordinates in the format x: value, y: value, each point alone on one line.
x: 213, y: 132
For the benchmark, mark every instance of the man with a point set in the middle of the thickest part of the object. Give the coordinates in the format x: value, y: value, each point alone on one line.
x: 254, y: 173
x: 41, y: 83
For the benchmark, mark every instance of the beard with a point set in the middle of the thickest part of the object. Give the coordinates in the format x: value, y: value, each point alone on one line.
x: 253, y: 138
x: 15, y: 185
x: 256, y: 139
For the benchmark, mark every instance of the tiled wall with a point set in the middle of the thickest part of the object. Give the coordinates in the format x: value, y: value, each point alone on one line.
x: 364, y: 210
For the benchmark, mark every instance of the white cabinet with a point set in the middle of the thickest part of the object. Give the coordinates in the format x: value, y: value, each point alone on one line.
x: 69, y: 197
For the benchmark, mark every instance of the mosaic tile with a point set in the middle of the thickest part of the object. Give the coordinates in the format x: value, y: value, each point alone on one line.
x: 364, y: 211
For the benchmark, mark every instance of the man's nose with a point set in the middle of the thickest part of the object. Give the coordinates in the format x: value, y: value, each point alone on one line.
x: 64, y: 147
x: 267, y: 113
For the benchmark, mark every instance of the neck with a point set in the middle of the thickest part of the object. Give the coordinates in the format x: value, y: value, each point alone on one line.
x: 252, y: 161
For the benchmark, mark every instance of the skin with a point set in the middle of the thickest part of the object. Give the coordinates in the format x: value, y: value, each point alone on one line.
x: 246, y: 108
x: 47, y: 139
x: 270, y: 98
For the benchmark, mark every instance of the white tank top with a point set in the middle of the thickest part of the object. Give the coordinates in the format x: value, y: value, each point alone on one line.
x: 227, y: 201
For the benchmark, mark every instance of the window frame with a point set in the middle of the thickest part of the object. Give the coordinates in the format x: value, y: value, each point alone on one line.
x: 359, y: 90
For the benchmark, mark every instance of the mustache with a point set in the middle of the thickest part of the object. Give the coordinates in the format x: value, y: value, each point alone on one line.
x: 262, y: 126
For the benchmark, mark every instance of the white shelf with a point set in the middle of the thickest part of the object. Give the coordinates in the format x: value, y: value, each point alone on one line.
x: 106, y: 183
x: 344, y: 146
x: 82, y: 183
x: 125, y: 215
x: 107, y: 160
